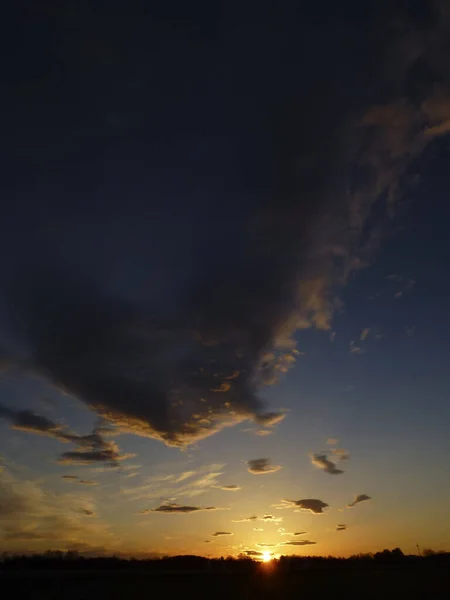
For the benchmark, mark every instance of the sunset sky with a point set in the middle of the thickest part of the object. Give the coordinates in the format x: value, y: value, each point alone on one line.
x: 225, y: 279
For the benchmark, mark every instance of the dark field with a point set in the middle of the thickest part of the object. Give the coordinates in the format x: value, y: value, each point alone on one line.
x: 383, y: 583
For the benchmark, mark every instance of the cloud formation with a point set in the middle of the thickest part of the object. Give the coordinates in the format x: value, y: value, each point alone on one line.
x: 172, y: 508
x: 93, y: 447
x: 322, y: 462
x: 261, y: 466
x: 26, y: 420
x: 341, y: 527
x: 358, y: 499
x: 221, y: 533
x: 228, y: 488
x: 192, y: 357
x: 310, y: 504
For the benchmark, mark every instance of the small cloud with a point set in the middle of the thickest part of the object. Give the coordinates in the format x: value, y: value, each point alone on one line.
x: 264, y: 518
x: 69, y: 477
x: 332, y: 441
x: 358, y: 499
x: 87, y: 512
x: 207, y: 541
x: 354, y: 348
x: 281, y: 529
x: 300, y: 533
x: 364, y: 334
x: 261, y: 466
x: 257, y: 529
x: 341, y: 454
x: 228, y: 488
x: 332, y: 336
x: 221, y: 533
x: 254, y: 553
x: 271, y: 519
x: 341, y: 527
x: 322, y: 462
x: 172, y: 508
x: 298, y: 543
x: 410, y: 330
x: 310, y: 504
x: 263, y: 432
x: 266, y: 545
x: 86, y: 482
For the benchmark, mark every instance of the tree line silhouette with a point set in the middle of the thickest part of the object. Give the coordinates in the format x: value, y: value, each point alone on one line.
x: 72, y: 560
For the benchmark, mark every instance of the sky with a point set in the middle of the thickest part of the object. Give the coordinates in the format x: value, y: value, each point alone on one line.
x: 224, y: 278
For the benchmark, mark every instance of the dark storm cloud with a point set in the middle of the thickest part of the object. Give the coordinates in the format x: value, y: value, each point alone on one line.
x: 261, y: 466
x: 172, y: 508
x: 169, y: 321
x: 310, y: 504
x: 358, y: 499
x: 322, y: 462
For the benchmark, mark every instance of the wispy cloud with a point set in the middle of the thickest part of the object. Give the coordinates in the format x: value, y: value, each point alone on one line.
x: 31, y: 513
x: 341, y: 527
x: 266, y: 545
x: 364, y: 333
x: 358, y: 499
x: 75, y: 479
x: 332, y: 441
x: 265, y: 518
x: 228, y: 488
x: 354, y: 348
x: 322, y: 462
x: 221, y: 533
x: 261, y: 466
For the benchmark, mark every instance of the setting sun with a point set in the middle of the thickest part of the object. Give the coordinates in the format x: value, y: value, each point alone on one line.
x: 266, y: 557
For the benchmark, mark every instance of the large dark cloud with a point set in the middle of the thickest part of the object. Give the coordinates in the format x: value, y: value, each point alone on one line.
x: 188, y: 228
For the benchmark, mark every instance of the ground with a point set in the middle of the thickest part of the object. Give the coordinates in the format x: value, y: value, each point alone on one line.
x: 429, y: 584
